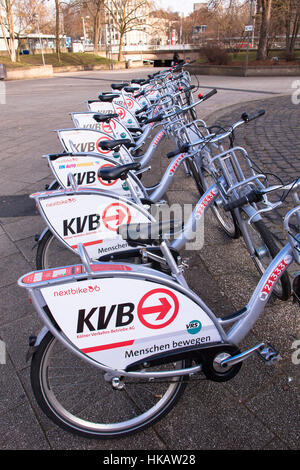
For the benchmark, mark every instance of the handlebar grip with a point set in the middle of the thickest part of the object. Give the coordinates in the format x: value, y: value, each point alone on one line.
x: 140, y: 93
x: 247, y: 118
x: 209, y: 94
x: 157, y: 118
x: 253, y: 196
x: 142, y: 110
x: 183, y: 149
x: 189, y: 88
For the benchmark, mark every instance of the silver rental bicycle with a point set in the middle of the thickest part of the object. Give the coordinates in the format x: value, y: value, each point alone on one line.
x: 120, y: 341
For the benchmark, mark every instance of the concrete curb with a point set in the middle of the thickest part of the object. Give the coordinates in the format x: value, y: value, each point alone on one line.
x: 32, y: 72
x: 238, y: 71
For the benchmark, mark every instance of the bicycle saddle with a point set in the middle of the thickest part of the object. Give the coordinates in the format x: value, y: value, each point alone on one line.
x: 108, y: 98
x: 99, y: 117
x: 116, y: 172
x: 118, y: 86
x: 112, y: 144
x: 148, y: 234
x: 130, y: 89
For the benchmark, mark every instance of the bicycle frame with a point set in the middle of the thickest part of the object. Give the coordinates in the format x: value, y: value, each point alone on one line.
x: 43, y: 285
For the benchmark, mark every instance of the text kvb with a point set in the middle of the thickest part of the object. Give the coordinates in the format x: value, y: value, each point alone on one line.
x: 98, y: 318
x: 85, y: 147
x: 80, y: 224
x: 86, y: 177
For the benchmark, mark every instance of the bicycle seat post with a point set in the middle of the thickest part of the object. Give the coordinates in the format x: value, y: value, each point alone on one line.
x: 175, y: 270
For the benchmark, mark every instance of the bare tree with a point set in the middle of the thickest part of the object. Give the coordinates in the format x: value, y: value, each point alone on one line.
x: 264, y: 9
x: 96, y: 11
x: 126, y: 16
x: 7, y: 26
x: 291, y: 15
x: 24, y: 13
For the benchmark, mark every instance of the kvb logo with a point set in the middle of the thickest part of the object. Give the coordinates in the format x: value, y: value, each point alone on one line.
x: 76, y: 225
x: 84, y: 178
x: 103, y: 316
x: 116, y: 214
x: 158, y: 308
x: 83, y: 147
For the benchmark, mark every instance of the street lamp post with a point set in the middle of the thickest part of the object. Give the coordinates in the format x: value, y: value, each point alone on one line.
x: 36, y: 16
x: 249, y: 31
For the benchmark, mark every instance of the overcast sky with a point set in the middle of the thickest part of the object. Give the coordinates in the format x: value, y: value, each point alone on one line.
x: 185, y: 6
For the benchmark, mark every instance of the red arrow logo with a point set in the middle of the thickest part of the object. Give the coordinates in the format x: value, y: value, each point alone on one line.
x: 119, y: 212
x: 162, y: 309
x: 166, y: 311
x: 119, y: 217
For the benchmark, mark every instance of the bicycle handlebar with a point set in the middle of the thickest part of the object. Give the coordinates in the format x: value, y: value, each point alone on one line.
x: 253, y: 196
x: 257, y: 195
x: 157, y: 118
x: 255, y: 115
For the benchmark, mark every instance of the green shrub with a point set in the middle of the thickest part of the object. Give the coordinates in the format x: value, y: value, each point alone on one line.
x: 216, y: 55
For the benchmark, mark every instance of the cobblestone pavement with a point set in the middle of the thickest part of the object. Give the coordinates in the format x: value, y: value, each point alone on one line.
x: 259, y: 408
x: 273, y: 144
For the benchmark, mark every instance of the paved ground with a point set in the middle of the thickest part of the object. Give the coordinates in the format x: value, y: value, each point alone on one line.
x: 256, y: 410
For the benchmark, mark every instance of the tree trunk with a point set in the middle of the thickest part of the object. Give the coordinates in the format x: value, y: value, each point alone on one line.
x: 262, y: 51
x: 11, y: 30
x: 120, y: 55
x: 97, y: 22
x: 292, y: 40
x: 57, y: 30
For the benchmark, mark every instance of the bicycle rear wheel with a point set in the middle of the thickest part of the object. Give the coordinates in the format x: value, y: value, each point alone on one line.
x: 76, y: 396
x: 51, y: 253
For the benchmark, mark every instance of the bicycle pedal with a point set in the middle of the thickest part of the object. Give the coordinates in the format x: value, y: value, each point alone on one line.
x: 269, y: 355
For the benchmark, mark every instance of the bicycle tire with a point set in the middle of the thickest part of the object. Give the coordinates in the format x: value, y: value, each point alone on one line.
x: 51, y: 253
x: 226, y: 220
x: 141, y: 407
x: 282, y: 290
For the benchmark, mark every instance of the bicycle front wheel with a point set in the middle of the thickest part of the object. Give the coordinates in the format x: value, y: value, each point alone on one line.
x: 265, y: 249
x: 225, y: 219
x: 76, y: 396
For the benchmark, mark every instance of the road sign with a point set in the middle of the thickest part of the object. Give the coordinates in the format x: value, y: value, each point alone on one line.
x: 249, y: 28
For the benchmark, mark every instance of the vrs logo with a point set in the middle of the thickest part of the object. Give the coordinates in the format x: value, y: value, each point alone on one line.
x: 194, y: 327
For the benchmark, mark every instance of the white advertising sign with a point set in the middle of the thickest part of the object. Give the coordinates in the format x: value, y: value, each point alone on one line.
x: 85, y: 168
x: 119, y: 321
x: 88, y: 141
x: 114, y: 128
x: 91, y: 219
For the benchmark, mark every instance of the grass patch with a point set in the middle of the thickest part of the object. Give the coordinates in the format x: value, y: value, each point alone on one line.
x: 67, y: 59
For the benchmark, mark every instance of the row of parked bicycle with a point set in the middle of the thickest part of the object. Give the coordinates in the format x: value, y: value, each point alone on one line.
x: 123, y: 329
